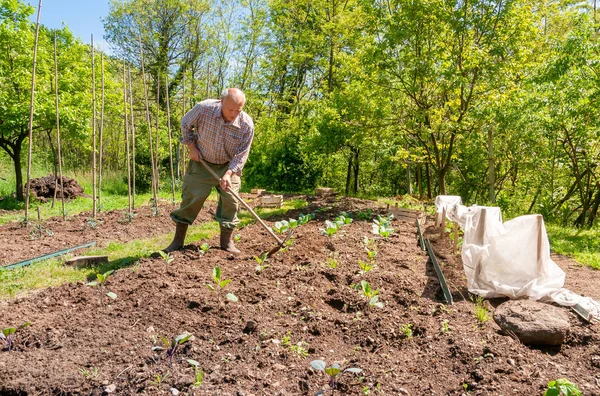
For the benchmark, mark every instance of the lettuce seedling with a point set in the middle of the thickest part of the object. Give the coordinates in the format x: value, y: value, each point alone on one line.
x: 293, y: 223
x: 170, y: 347
x: 562, y: 387
x: 237, y: 237
x: 205, y: 247
x: 281, y: 226
x: 261, y: 262
x: 365, y: 215
x: 303, y: 219
x: 365, y: 267
x: 343, y: 220
x: 371, y: 295
x: 382, y: 228
x: 333, y: 372
x: 331, y: 228
x: 100, y: 278
x: 220, y: 284
x: 8, y: 335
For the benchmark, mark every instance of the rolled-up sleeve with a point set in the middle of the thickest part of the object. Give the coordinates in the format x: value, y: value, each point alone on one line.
x: 188, y: 121
x: 239, y: 160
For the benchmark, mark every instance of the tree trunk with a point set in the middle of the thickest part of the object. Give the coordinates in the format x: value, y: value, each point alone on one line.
x: 420, y: 181
x: 349, y: 173
x: 595, y: 206
x: 356, y: 166
x: 16, y: 157
x: 491, y: 166
x: 442, y: 180
x: 428, y: 177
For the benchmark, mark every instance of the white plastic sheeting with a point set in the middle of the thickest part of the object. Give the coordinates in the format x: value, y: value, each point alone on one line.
x: 510, y: 259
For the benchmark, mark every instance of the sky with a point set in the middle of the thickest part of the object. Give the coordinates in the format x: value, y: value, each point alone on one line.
x: 82, y: 17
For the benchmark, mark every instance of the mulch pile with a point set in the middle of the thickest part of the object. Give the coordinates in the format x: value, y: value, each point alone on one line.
x: 43, y: 188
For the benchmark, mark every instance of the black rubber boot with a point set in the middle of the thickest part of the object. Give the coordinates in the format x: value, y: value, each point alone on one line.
x: 227, y: 240
x: 178, y: 240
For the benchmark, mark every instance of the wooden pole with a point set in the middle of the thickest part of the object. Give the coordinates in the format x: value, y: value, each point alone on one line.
x: 183, y: 111
x: 60, y: 175
x: 443, y: 223
x: 101, y: 134
x: 94, y: 192
x: 149, y: 129
x: 31, y: 102
x: 455, y: 242
x: 132, y: 140
x: 157, y: 140
x: 170, y: 138
x: 126, y: 139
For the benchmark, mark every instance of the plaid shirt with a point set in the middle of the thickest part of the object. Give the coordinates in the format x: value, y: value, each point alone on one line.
x: 219, y: 142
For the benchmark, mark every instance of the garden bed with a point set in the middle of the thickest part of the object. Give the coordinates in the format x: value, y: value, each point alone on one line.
x: 303, y: 307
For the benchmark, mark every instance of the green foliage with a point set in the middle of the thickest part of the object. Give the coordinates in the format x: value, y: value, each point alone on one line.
x: 481, y: 312
x: 261, y: 262
x: 100, y: 278
x: 281, y: 226
x: 7, y: 336
x: 331, y: 228
x: 562, y: 387
x: 406, y: 330
x: 199, y: 373
x: 382, y: 226
x: 204, y: 248
x: 220, y: 284
x: 167, y: 257
x: 170, y: 346
x: 333, y: 372
x: 444, y: 326
x: 371, y: 295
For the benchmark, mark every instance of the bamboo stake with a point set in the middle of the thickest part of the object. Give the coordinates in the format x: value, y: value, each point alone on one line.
x: 94, y: 196
x: 157, y: 140
x: 170, y: 138
x: 132, y: 139
x: 62, y: 187
x: 149, y: 129
x: 101, y: 134
x: 37, y: 31
x: 127, y: 139
x: 181, y: 149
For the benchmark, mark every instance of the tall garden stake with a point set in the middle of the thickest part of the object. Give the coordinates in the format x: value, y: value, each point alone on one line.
x: 154, y: 184
x: 101, y: 135
x: 60, y: 175
x: 170, y: 138
x: 126, y: 139
x: 35, y: 46
x: 94, y: 193
x: 132, y: 139
x: 157, y: 140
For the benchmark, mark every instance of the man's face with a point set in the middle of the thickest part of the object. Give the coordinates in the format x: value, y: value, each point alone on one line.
x: 230, y: 110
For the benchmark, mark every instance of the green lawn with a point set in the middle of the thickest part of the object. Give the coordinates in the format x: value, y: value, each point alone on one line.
x: 582, y: 245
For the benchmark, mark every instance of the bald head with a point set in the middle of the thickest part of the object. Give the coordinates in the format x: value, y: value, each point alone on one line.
x: 232, y: 103
x: 234, y: 94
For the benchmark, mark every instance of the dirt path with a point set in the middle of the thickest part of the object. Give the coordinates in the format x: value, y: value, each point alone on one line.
x: 298, y: 309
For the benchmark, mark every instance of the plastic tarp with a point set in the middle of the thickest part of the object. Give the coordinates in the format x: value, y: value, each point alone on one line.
x: 509, y: 259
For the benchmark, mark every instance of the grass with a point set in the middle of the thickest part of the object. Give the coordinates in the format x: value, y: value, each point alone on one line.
x: 581, y: 245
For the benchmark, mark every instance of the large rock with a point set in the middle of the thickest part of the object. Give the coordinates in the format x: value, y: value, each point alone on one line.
x: 534, y: 323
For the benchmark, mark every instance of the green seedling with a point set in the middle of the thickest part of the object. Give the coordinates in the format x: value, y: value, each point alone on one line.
x: 303, y: 219
x: 91, y: 223
x: 261, y: 262
x: 220, y: 284
x: 237, y: 237
x: 371, y: 295
x: 8, y: 335
x: 159, y: 379
x: 205, y: 247
x: 365, y: 267
x: 406, y: 330
x: 481, y: 312
x: 562, y: 387
x: 365, y: 215
x: 343, y: 220
x: 333, y: 372
x: 199, y: 378
x: 330, y: 228
x: 89, y: 374
x: 281, y: 226
x: 289, y: 242
x: 168, y: 257
x: 332, y: 262
x: 381, y: 229
x: 100, y: 278
x: 300, y: 349
x: 170, y: 346
x: 444, y: 327
x: 371, y: 254
x: 293, y: 223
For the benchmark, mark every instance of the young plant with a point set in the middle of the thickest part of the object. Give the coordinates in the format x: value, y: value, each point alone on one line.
x: 333, y: 372
x: 562, y: 387
x: 332, y: 262
x: 168, y: 257
x: 330, y: 228
x: 198, y: 371
x: 89, y: 374
x: 365, y: 266
x: 7, y: 336
x: 293, y: 223
x: 289, y: 242
x: 281, y: 226
x: 343, y: 219
x: 406, y: 330
x: 101, y: 278
x: 371, y: 295
x: 481, y: 312
x: 261, y: 262
x: 205, y: 247
x: 237, y: 237
x: 303, y: 219
x: 444, y: 327
x: 371, y: 253
x: 220, y: 285
x: 365, y: 215
x: 298, y: 348
x: 170, y: 346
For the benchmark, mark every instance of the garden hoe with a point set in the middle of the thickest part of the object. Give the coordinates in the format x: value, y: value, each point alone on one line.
x: 280, y: 243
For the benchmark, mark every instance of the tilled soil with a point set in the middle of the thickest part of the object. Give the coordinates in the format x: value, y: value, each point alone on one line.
x: 296, y: 310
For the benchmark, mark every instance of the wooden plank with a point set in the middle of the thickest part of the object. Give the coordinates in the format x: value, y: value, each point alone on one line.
x: 324, y: 191
x: 257, y: 191
x: 87, y: 261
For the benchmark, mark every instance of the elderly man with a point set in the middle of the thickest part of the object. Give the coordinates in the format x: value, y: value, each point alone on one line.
x: 220, y: 133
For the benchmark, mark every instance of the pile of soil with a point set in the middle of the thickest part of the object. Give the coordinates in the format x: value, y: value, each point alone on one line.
x: 303, y: 306
x: 43, y: 188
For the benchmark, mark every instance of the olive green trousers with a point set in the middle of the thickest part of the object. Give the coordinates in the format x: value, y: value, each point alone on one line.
x: 197, y: 186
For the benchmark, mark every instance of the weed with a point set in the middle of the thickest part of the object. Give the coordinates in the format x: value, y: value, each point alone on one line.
x: 444, y: 327
x: 205, y: 247
x: 332, y: 262
x: 220, y: 284
x: 159, y: 379
x: 237, y: 237
x: 406, y: 330
x: 168, y: 257
x: 89, y: 374
x: 333, y: 372
x: 481, y: 312
x: 300, y: 349
x: 562, y: 387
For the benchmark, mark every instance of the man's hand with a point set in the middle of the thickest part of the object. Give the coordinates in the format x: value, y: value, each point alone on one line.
x: 226, y: 180
x: 194, y: 152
